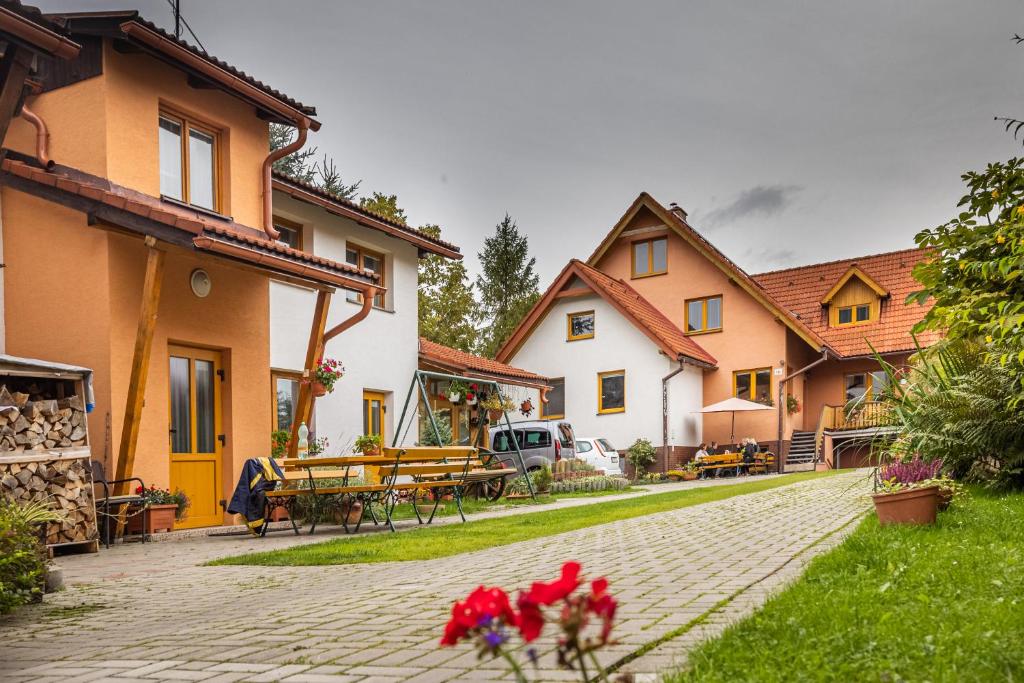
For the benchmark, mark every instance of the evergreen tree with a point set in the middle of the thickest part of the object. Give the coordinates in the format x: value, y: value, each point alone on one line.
x: 447, y: 309
x: 507, y: 285
x: 384, y: 205
x: 322, y: 174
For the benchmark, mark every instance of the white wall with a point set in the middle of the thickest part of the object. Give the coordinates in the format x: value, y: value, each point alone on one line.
x: 617, y: 345
x: 380, y: 353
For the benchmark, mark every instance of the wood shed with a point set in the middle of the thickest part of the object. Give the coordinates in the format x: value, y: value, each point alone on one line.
x: 44, y: 444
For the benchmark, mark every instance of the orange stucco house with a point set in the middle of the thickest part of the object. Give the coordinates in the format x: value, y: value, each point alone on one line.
x: 138, y: 241
x: 798, y: 340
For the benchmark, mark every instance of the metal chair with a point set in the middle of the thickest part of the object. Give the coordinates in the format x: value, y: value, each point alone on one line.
x: 108, y: 501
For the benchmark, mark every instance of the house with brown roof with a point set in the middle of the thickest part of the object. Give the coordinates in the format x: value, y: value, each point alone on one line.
x: 658, y: 323
x: 139, y: 240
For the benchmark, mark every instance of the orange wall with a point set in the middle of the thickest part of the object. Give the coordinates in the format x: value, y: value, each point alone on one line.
x: 750, y: 337
x: 826, y: 386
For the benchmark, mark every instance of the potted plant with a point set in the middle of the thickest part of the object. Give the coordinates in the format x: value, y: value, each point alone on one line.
x: 325, y: 374
x: 472, y: 394
x: 496, y: 405
x: 526, y: 407
x: 457, y: 392
x: 792, y: 404
x: 690, y: 471
x: 908, y: 494
x: 368, y: 444
x: 163, y: 508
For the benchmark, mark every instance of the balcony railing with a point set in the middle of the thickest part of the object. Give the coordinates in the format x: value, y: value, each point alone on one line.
x: 854, y: 415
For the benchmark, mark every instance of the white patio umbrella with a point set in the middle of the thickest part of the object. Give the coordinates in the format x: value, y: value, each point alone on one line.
x: 734, y: 405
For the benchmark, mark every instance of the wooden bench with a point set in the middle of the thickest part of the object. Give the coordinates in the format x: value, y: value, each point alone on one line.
x: 734, y: 461
x: 398, y: 470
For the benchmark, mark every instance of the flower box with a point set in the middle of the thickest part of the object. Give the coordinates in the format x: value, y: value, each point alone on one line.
x: 909, y: 506
x: 158, y: 518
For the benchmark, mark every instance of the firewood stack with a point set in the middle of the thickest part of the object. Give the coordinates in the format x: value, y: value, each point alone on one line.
x: 40, y: 425
x: 65, y: 484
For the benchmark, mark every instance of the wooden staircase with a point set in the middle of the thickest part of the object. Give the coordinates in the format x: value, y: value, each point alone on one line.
x: 802, y: 449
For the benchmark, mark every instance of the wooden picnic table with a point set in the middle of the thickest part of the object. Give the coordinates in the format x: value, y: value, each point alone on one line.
x: 725, y: 461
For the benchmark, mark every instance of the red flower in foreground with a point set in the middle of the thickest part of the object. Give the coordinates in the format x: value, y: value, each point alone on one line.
x: 601, y: 603
x: 480, y: 608
x: 531, y: 618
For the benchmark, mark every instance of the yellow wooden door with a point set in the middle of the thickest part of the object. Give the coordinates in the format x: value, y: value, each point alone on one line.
x: 373, y: 414
x: 195, y: 436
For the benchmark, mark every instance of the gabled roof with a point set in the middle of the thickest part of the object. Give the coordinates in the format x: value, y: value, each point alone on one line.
x: 461, y: 362
x: 644, y: 316
x: 331, y: 203
x: 854, y: 272
x: 677, y: 222
x: 27, y: 26
x: 130, y: 29
x: 135, y: 212
x: 803, y: 289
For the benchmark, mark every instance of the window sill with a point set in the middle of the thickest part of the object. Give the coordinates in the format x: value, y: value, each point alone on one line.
x: 697, y: 333
x: 639, y: 276
x: 611, y: 412
x: 198, y: 209
x: 572, y: 339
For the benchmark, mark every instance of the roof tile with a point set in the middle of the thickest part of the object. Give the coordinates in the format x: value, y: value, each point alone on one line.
x: 448, y: 356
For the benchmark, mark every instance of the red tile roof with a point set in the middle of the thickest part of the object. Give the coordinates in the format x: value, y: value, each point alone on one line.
x: 189, y: 222
x: 462, y: 361
x: 802, y: 289
x: 305, y: 191
x: 648, y: 319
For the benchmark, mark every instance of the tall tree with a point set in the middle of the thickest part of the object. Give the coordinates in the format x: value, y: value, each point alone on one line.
x: 507, y: 285
x: 385, y: 205
x: 446, y: 305
x: 299, y: 165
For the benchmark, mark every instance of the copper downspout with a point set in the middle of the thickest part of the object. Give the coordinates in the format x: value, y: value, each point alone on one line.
x: 268, y: 191
x: 368, y: 293
x: 42, y: 137
x: 782, y: 405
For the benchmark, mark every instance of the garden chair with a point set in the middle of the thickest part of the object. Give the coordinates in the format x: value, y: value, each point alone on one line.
x: 107, y: 501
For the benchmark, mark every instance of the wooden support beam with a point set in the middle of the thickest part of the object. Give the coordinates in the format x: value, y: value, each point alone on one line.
x: 140, y: 365
x: 14, y: 68
x: 314, y: 351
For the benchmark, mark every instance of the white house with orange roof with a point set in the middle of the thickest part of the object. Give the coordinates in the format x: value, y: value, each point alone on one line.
x: 656, y: 297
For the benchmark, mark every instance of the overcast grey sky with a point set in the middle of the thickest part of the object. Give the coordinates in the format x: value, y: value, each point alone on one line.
x: 791, y: 131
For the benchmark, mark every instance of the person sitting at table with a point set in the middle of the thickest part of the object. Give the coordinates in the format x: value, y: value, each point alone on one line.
x: 713, y: 448
x: 749, y: 452
x: 702, y: 452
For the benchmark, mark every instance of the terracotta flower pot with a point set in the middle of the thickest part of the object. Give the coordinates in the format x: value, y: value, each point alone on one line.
x: 494, y: 415
x: 318, y: 389
x: 351, y: 511
x: 910, y: 506
x: 689, y: 476
x: 158, y: 518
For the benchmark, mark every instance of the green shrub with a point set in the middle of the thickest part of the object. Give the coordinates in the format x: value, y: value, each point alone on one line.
x: 542, y: 479
x: 22, y: 564
x: 640, y: 455
x: 444, y: 429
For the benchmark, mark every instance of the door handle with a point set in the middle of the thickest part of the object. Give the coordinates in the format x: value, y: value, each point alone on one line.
x: 223, y: 439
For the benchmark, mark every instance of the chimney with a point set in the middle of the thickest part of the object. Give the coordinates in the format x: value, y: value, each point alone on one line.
x: 677, y: 210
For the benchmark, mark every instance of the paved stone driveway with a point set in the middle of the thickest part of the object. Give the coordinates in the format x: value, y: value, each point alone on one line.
x: 381, y: 622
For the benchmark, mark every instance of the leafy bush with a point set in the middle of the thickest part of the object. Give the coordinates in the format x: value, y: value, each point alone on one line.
x: 542, y: 479
x: 957, y: 403
x: 640, y: 455
x: 22, y: 564
x: 444, y: 428
x: 590, y: 485
x: 155, y: 496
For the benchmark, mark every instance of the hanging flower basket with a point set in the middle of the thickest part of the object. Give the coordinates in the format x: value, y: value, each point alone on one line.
x: 318, y: 388
x: 494, y: 415
x: 455, y: 398
x: 324, y: 375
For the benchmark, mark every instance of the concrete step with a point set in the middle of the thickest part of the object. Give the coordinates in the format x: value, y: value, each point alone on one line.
x: 799, y: 467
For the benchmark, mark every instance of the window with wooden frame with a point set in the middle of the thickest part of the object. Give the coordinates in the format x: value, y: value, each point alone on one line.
x: 284, y: 386
x: 291, y: 232
x: 864, y: 386
x: 611, y: 392
x: 852, y: 315
x: 366, y: 260
x: 753, y: 385
x: 555, y: 407
x: 650, y: 257
x: 704, y: 315
x: 189, y: 168
x: 579, y: 326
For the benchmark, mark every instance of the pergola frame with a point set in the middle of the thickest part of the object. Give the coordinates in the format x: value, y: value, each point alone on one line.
x: 417, y: 382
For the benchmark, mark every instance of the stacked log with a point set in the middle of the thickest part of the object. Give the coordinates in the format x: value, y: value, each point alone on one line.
x: 40, y: 425
x: 65, y: 484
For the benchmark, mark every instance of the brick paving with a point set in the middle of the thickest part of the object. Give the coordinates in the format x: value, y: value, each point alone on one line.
x: 381, y: 622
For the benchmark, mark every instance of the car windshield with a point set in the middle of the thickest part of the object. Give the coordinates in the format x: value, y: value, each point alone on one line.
x: 584, y: 447
x: 606, y: 445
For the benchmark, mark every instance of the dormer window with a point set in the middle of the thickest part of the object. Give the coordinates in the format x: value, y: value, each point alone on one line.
x: 855, y: 299
x: 188, y: 162
x: 650, y: 257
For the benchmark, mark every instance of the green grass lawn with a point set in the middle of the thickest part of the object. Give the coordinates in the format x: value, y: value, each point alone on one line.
x: 451, y: 539
x: 471, y: 505
x: 942, y: 603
